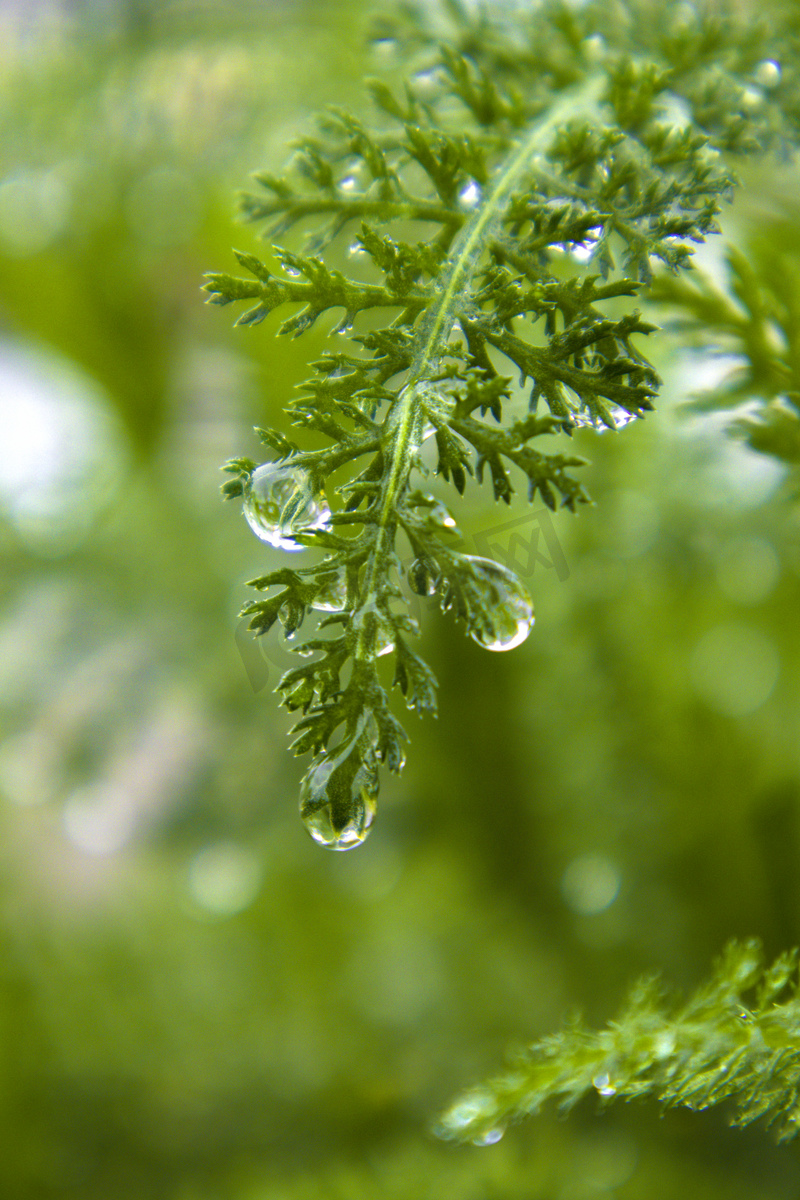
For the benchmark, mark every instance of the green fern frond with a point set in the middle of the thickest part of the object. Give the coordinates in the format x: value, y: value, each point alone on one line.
x: 737, y: 1039
x: 502, y: 208
x: 758, y: 323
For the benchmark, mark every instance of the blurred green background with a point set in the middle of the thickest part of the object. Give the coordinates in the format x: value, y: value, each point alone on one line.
x: 196, y: 1002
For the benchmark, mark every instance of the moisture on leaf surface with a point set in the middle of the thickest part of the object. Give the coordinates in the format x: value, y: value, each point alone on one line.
x: 503, y: 212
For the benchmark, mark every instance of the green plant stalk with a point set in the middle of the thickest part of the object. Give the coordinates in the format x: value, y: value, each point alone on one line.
x: 465, y: 258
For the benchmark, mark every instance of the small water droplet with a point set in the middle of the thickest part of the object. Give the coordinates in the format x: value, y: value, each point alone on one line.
x: 768, y: 73
x: 490, y: 1137
x: 585, y: 420
x: 291, y: 271
x: 356, y: 250
x: 338, y: 798
x: 332, y: 596
x: 348, y: 183
x: 439, y: 515
x: 423, y: 577
x: 470, y: 196
x: 279, y: 501
x: 603, y: 1084
x: 507, y: 616
x: 384, y: 642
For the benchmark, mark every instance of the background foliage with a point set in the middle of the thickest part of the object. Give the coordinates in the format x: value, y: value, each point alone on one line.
x: 194, y: 1000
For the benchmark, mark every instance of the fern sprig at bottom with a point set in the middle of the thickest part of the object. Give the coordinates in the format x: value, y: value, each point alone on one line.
x: 736, y: 1040
x: 544, y: 162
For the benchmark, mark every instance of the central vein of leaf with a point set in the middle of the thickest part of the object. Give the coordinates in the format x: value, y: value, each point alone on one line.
x: 452, y: 284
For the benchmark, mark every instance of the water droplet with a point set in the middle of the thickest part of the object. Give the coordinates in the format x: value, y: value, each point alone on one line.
x: 470, y: 196
x: 337, y: 799
x: 439, y: 515
x: 384, y: 640
x: 356, y: 250
x: 506, y: 616
x: 490, y: 1138
x: 585, y: 419
x: 291, y: 271
x: 423, y: 577
x: 332, y: 596
x: 768, y: 73
x: 279, y: 501
x: 291, y: 617
x: 604, y: 1085
x: 348, y: 183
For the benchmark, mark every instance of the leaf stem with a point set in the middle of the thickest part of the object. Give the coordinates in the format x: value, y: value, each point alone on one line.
x: 466, y: 253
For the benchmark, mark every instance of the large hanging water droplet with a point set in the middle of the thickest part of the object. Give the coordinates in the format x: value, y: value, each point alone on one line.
x: 338, y: 798
x: 279, y: 501
x: 506, y: 615
x: 332, y: 596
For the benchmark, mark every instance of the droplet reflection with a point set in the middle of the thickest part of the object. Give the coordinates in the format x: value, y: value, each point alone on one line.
x: 279, y: 501
x: 507, y: 617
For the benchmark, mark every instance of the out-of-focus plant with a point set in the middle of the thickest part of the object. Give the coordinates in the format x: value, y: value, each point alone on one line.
x: 720, y: 1045
x: 757, y: 323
